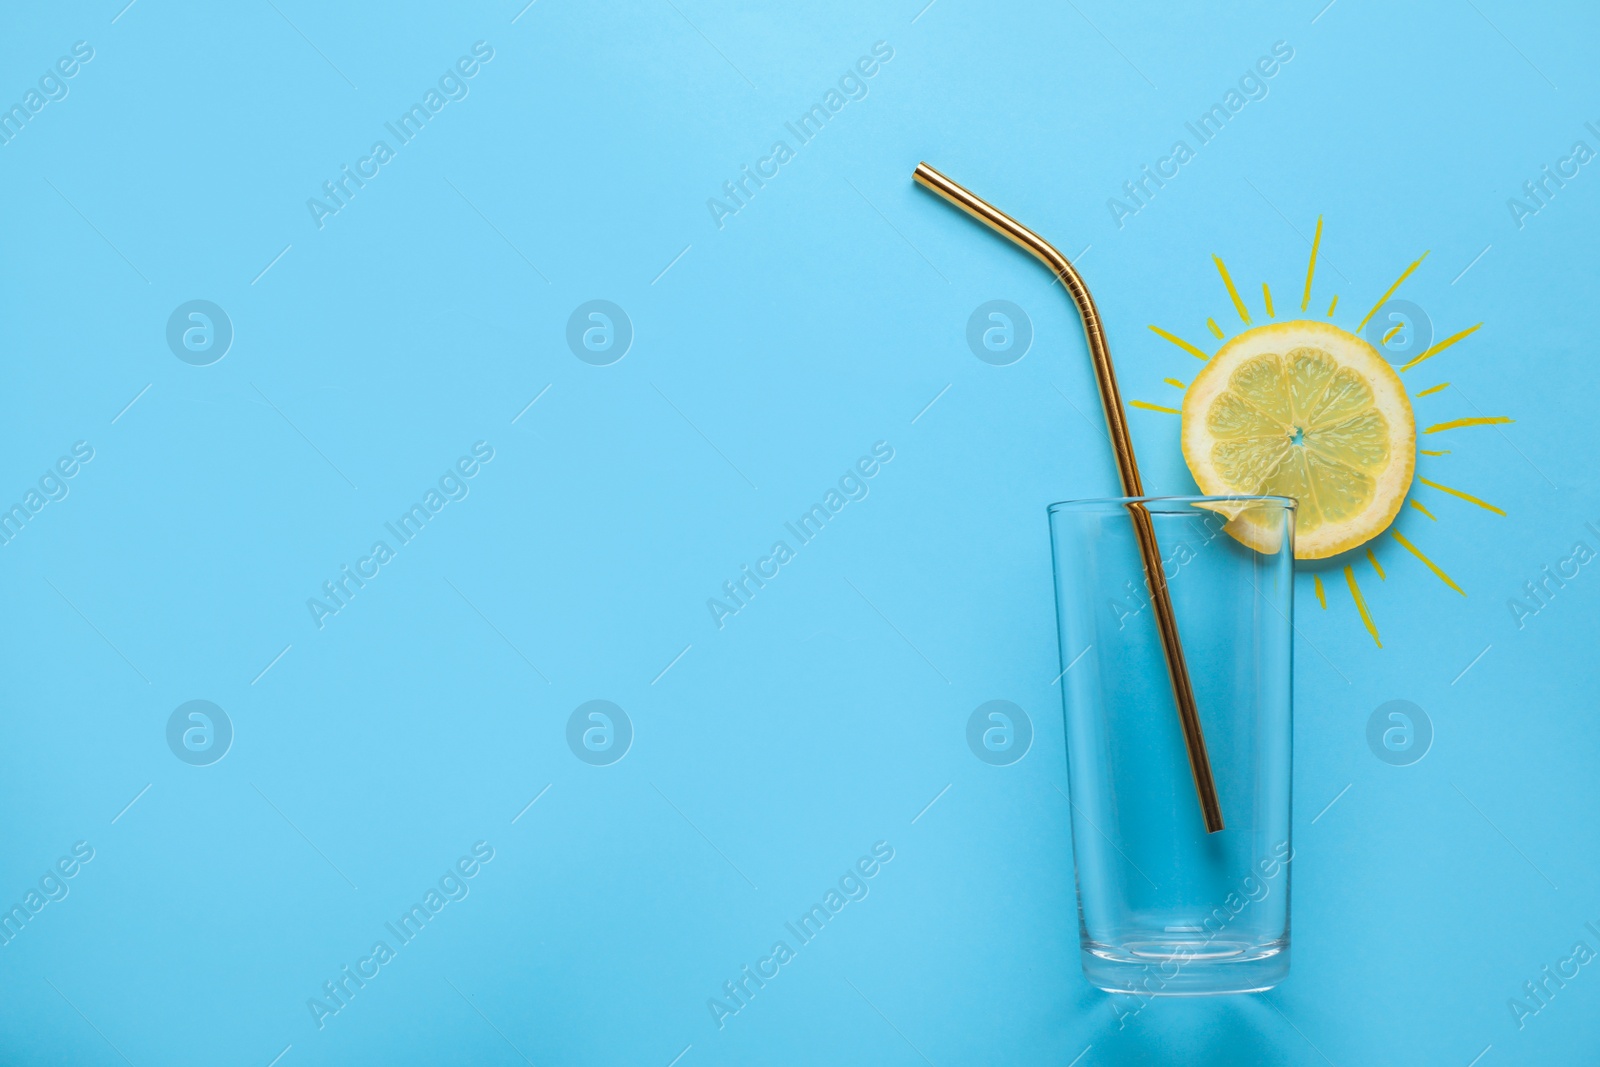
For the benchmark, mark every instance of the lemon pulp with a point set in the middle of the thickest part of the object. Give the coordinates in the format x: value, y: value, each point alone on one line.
x: 1304, y: 410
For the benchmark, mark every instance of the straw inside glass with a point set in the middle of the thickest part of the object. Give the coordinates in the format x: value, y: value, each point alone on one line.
x: 1127, y: 469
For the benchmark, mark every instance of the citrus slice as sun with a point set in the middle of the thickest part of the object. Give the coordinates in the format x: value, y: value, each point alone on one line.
x: 1303, y: 410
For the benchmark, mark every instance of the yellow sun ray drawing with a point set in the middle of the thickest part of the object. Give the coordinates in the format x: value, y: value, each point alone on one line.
x: 1309, y: 409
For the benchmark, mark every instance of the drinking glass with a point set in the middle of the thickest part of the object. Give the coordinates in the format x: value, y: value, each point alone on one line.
x: 1165, y: 908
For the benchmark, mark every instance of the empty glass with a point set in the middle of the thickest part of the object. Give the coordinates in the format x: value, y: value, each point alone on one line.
x: 1165, y: 908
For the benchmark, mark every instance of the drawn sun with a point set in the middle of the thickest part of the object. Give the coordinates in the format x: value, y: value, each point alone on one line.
x: 1307, y: 408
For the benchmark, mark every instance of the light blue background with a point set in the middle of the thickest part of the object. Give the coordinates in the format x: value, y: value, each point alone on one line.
x: 828, y: 714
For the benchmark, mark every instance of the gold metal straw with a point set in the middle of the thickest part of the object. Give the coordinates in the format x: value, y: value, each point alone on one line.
x: 1127, y: 469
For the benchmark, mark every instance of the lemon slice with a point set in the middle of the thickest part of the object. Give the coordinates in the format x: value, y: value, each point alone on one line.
x: 1303, y: 410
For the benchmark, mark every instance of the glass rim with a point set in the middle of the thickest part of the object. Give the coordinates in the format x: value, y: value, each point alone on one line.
x: 1164, y: 503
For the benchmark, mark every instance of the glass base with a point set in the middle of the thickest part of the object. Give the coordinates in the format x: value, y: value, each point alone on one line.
x: 1175, y: 968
